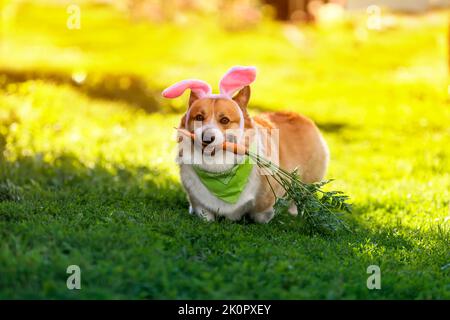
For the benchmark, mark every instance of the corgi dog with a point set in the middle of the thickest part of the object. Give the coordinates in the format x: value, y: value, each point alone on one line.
x: 229, y: 186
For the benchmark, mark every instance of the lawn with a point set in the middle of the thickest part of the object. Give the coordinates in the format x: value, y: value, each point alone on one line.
x: 87, y: 172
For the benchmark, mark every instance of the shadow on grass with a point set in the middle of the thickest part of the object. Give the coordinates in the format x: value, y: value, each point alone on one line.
x: 69, y: 180
x: 434, y: 229
x: 127, y: 88
x: 332, y: 127
x: 139, y: 213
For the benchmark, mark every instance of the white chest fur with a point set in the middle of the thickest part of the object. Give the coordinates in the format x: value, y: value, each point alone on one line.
x: 204, y: 203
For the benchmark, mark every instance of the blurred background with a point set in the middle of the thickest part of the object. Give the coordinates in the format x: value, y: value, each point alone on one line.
x: 366, y: 65
x: 87, y: 143
x: 340, y: 62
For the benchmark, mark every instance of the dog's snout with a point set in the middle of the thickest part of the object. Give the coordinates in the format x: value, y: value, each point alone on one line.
x: 208, y: 137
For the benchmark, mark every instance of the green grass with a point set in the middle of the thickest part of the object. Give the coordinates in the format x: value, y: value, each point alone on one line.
x: 87, y: 175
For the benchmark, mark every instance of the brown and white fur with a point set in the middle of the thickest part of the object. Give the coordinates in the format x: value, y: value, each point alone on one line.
x: 300, y: 145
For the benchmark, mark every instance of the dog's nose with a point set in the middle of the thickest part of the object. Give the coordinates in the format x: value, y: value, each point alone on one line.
x: 207, y: 137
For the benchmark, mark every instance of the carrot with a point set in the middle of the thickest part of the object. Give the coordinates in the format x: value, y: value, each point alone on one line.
x: 228, y: 146
x: 235, y: 148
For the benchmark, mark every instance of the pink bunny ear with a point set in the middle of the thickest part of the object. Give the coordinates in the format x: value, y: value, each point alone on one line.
x: 236, y: 78
x: 199, y: 87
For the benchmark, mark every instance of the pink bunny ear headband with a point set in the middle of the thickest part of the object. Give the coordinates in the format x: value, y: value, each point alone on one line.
x: 234, y: 80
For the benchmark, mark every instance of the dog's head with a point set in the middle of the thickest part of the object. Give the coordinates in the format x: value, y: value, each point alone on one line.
x: 215, y: 118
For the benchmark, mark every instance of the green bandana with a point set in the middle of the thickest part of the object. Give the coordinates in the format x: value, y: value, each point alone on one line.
x: 227, y: 185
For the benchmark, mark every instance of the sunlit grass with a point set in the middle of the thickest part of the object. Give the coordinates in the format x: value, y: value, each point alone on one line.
x: 88, y: 177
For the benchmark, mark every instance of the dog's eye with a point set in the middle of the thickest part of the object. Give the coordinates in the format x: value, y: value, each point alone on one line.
x: 224, y: 120
x: 199, y: 117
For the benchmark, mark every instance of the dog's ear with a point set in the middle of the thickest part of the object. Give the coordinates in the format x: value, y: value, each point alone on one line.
x: 193, y: 96
x: 235, y: 79
x: 242, y: 97
x: 199, y: 89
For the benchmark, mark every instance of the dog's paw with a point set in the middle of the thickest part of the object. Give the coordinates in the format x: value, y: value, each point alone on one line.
x: 293, y: 209
x: 202, y: 213
x: 206, y: 215
x: 263, y: 217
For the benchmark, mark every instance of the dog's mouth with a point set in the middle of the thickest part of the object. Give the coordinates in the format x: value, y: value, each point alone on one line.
x: 209, y: 148
x: 227, y: 152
